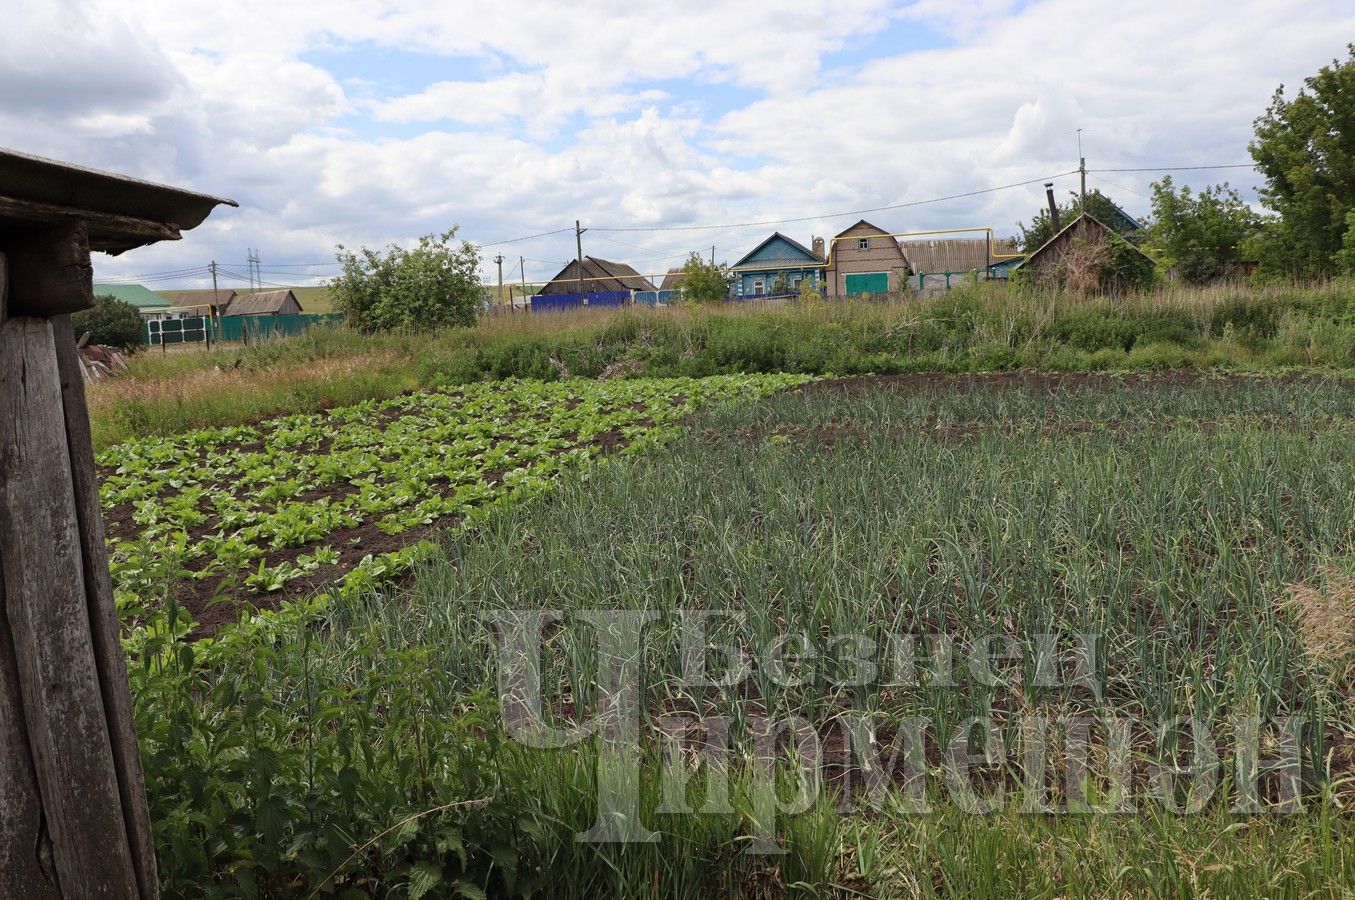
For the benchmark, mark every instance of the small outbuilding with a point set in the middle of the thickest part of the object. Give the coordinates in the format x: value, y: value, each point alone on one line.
x: 1087, y: 256
x: 600, y: 276
x: 265, y: 303
x: 201, y: 302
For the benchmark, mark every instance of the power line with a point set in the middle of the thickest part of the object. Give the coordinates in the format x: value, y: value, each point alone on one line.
x: 1120, y: 187
x: 838, y: 215
x: 525, y: 238
x: 1179, y: 168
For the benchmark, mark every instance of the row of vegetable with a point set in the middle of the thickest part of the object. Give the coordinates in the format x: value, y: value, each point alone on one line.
x: 348, y: 495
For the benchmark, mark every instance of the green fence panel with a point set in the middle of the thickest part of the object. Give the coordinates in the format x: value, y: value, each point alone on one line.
x: 193, y: 330
x: 249, y: 328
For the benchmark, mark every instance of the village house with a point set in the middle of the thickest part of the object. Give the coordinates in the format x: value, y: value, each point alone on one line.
x: 865, y: 259
x: 777, y: 265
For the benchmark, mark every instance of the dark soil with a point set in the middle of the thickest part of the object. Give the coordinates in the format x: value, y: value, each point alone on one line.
x: 217, y: 601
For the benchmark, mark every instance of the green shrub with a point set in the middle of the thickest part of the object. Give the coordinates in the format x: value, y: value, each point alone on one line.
x: 1253, y: 317
x: 1173, y: 326
x: 1093, y: 328
x: 110, y: 321
x: 435, y: 285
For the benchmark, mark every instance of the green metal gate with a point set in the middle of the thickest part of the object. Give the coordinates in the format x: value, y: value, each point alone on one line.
x: 867, y: 283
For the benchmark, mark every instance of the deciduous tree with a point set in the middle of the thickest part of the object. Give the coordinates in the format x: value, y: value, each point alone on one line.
x: 1201, y: 233
x: 434, y: 285
x: 1305, y: 148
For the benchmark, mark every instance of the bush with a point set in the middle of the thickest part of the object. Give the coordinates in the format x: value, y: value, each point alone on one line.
x: 1252, y: 317
x: 435, y: 285
x: 1093, y: 329
x: 110, y: 321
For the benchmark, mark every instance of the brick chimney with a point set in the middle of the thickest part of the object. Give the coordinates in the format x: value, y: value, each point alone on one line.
x: 817, y: 246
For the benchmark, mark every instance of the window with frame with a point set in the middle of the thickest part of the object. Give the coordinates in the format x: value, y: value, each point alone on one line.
x: 758, y: 286
x: 863, y: 243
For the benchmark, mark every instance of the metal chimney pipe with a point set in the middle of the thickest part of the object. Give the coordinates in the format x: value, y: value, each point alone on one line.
x: 1053, y: 207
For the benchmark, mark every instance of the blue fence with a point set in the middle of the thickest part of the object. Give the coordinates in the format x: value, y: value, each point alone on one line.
x: 562, y: 302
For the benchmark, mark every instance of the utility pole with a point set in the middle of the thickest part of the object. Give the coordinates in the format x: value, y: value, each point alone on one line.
x: 211, y: 310
x: 712, y: 254
x: 499, y: 259
x: 578, y: 246
x: 1082, y: 169
x: 522, y: 273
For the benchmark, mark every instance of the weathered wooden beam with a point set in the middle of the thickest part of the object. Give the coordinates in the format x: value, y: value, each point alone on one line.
x: 108, y: 231
x: 25, y: 851
x: 46, y: 606
x: 103, y: 616
x: 50, y: 271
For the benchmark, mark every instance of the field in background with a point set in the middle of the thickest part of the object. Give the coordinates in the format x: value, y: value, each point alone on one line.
x: 976, y: 328
x: 1199, y: 527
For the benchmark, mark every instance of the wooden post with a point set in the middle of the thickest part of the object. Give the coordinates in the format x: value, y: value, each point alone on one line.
x: 63, y: 681
x: 73, y: 815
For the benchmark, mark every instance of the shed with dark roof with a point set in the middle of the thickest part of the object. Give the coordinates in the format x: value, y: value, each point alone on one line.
x: 265, y: 303
x: 600, y: 276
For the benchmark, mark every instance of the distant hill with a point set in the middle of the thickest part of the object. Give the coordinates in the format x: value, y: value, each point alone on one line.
x: 312, y: 299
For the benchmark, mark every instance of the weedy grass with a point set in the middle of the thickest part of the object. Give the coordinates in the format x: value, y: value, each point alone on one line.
x: 973, y: 328
x: 1168, y: 518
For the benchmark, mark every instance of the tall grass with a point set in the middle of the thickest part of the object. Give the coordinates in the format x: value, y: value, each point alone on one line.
x: 1167, y: 518
x: 973, y: 328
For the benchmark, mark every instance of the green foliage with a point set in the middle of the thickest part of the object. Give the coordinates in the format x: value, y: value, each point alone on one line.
x: 110, y: 321
x: 231, y: 506
x: 355, y: 749
x: 1033, y: 235
x: 703, y: 282
x: 1305, y: 148
x: 1201, y: 233
x: 1126, y: 267
x: 1253, y: 318
x: 435, y: 285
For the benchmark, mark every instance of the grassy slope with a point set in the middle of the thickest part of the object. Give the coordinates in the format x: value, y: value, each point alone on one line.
x: 972, y: 329
x: 1169, y: 518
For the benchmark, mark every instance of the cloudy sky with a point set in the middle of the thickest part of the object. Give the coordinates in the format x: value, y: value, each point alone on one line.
x: 374, y: 122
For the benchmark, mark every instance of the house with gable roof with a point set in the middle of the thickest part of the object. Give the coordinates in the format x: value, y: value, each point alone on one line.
x: 777, y: 264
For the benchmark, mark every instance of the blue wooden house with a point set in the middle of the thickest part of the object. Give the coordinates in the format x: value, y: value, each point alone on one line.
x: 775, y: 264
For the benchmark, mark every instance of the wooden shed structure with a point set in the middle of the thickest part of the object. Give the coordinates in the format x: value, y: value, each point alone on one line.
x: 601, y: 276
x: 202, y: 301
x: 264, y: 303
x: 73, y: 815
x: 1076, y: 257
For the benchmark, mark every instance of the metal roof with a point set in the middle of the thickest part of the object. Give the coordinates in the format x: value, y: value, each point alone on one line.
x: 138, y: 295
x: 64, y: 190
x: 262, y: 303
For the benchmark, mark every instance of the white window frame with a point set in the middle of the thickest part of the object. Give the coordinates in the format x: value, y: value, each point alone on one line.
x: 863, y: 243
x: 759, y: 287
